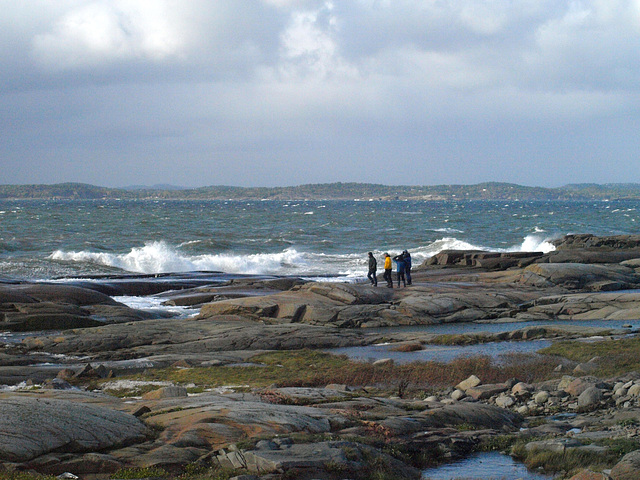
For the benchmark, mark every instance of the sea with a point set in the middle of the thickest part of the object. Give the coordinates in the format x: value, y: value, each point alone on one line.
x: 320, y: 240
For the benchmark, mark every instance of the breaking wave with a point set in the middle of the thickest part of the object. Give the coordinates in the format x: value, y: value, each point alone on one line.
x: 161, y: 257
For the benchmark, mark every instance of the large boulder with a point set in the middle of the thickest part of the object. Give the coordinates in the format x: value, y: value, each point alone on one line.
x: 580, y: 276
x: 312, y: 303
x: 589, y: 306
x: 30, y: 427
x: 33, y: 307
x: 628, y: 468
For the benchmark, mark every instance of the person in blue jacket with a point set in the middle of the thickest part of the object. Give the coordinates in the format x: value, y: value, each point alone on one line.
x: 407, y: 266
x: 400, y: 265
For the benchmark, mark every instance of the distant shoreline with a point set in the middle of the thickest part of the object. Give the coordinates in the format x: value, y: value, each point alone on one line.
x: 327, y: 192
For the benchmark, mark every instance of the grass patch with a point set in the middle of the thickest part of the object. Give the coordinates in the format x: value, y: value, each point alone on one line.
x: 133, y: 473
x: 407, y: 347
x: 309, y: 368
x: 617, y: 356
x: 24, y: 476
x: 574, y: 459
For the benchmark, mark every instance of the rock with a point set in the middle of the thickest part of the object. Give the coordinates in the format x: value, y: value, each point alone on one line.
x: 338, y: 387
x: 541, y: 397
x: 590, y: 397
x: 579, y: 275
x: 383, y: 361
x: 470, y: 382
x: 66, y: 374
x: 579, y: 385
x: 628, y: 468
x: 32, y: 427
x: 57, y: 384
x: 141, y: 411
x: 166, y: 392
x: 87, y: 372
x: 458, y: 394
x: 552, y: 445
x: 522, y: 388
x: 505, y: 401
x: 88, y: 463
x: 482, y: 392
x: 314, y: 457
x: 634, y: 391
x: 585, y: 368
x: 589, y: 475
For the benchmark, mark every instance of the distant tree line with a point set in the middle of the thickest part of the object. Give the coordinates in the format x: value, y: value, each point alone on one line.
x: 329, y: 191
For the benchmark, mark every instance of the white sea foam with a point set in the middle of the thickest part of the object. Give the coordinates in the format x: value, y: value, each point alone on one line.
x: 152, y: 303
x: 536, y: 243
x: 160, y: 257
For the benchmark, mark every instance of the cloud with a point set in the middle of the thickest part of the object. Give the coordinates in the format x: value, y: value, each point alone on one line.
x: 263, y: 84
x: 104, y: 32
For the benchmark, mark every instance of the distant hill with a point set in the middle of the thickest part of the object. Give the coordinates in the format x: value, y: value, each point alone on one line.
x: 162, y: 186
x: 328, y: 191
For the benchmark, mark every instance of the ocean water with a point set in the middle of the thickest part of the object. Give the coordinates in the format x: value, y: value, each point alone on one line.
x: 42, y: 240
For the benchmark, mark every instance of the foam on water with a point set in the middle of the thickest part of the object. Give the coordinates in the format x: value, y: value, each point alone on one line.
x: 161, y: 257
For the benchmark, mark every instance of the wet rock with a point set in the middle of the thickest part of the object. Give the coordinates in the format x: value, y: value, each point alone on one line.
x: 27, y: 307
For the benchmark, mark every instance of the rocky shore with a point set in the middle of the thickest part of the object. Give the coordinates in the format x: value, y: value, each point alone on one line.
x: 97, y: 388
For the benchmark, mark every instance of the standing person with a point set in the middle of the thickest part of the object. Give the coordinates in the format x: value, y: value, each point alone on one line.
x: 400, y: 263
x: 387, y: 270
x: 373, y: 267
x: 407, y: 266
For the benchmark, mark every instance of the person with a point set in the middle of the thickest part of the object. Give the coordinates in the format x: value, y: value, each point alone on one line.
x: 407, y: 266
x: 400, y: 263
x: 373, y: 267
x: 387, y: 270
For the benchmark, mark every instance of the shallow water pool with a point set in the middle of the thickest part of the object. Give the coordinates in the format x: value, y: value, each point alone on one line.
x: 483, y: 466
x: 441, y: 353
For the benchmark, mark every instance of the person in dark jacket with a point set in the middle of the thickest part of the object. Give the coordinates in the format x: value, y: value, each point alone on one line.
x: 407, y: 266
x: 400, y: 264
x: 373, y: 267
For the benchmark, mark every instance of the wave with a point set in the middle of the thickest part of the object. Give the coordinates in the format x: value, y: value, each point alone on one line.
x: 536, y: 243
x: 160, y: 257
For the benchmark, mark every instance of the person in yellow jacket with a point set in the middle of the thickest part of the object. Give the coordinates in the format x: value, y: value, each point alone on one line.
x: 387, y: 270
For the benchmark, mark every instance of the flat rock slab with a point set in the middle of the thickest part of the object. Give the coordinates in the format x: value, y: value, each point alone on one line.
x: 31, y: 427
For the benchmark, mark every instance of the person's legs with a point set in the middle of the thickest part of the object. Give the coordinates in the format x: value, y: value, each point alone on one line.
x: 387, y: 277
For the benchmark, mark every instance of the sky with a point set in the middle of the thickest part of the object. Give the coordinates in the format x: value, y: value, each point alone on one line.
x: 289, y: 92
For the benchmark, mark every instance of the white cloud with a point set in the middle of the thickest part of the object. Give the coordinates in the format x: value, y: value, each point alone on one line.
x: 104, y: 32
x: 309, y: 47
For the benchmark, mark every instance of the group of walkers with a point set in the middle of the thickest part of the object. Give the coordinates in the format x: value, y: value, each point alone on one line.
x: 403, y: 269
